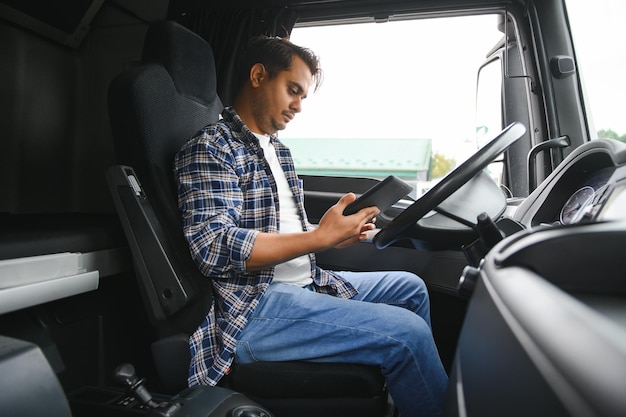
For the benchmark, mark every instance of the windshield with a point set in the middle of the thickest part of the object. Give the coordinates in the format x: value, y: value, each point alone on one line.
x: 405, y: 89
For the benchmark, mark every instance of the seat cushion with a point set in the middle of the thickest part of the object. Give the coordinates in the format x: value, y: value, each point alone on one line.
x: 306, y: 380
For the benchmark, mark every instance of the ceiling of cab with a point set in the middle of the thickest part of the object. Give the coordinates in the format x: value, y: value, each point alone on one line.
x: 337, y: 9
x: 69, y: 21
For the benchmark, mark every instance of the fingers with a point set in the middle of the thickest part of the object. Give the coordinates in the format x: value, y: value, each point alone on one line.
x: 368, y: 236
x: 339, y: 230
x: 365, y: 213
x: 345, y: 200
x: 368, y: 226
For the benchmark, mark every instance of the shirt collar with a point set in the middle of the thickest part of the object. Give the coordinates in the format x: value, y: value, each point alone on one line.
x: 230, y: 115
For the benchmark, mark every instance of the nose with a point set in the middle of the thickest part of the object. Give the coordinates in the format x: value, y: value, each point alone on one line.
x: 296, y: 104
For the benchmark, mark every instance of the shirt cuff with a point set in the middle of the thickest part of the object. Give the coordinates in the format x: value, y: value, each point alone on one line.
x: 241, y: 242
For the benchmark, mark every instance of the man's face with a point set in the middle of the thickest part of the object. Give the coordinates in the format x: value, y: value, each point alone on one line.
x: 279, y: 99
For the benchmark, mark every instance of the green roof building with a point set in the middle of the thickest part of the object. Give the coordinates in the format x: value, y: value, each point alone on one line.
x: 374, y: 158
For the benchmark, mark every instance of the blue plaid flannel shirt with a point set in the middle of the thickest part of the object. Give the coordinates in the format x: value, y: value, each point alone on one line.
x: 227, y: 195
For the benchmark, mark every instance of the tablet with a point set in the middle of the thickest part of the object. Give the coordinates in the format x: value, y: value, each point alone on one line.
x: 383, y: 195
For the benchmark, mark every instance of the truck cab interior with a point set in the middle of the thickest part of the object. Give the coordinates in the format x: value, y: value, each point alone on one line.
x: 519, y: 241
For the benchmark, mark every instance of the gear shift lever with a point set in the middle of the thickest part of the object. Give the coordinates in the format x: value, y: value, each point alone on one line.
x: 125, y: 374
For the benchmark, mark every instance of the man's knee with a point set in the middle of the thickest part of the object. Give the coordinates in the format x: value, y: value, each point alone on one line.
x: 408, y: 279
x: 410, y: 336
x: 415, y: 287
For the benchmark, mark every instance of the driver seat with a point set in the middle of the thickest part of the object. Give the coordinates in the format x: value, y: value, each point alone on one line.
x: 154, y: 109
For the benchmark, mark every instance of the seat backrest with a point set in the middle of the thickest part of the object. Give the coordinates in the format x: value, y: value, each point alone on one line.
x: 154, y: 109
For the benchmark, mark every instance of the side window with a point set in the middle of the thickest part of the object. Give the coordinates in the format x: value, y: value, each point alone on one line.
x: 489, y: 101
x: 397, y: 98
x: 598, y: 35
x: 489, y: 110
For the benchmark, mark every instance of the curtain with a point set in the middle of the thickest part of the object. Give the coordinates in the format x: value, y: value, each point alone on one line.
x: 228, y: 31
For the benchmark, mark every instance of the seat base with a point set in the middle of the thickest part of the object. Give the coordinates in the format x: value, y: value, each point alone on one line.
x: 347, y: 389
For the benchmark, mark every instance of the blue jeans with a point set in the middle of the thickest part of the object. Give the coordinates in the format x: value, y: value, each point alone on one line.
x: 386, y: 324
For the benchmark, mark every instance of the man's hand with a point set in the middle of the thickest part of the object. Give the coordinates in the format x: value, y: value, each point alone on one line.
x: 339, y: 231
x: 334, y: 230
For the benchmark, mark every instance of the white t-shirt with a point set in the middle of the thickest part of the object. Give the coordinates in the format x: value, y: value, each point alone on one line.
x: 296, y: 271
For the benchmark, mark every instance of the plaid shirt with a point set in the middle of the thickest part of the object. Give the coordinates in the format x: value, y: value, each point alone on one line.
x: 227, y: 195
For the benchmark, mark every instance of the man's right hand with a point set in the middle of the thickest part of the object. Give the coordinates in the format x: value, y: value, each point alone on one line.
x: 334, y: 230
x: 337, y: 230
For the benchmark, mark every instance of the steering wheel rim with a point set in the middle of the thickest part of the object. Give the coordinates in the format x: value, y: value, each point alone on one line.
x: 392, y: 232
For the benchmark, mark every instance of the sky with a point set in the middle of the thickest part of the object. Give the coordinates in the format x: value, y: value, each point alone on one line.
x: 426, y: 76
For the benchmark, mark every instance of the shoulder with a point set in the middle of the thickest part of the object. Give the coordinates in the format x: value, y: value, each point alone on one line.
x: 216, y: 136
x: 225, y: 139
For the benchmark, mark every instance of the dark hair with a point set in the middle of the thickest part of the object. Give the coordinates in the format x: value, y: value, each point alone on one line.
x: 276, y: 54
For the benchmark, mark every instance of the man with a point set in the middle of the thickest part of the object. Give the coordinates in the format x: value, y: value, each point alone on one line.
x: 244, y: 218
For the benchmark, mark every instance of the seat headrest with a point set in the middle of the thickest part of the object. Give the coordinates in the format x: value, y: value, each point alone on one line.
x: 186, y: 56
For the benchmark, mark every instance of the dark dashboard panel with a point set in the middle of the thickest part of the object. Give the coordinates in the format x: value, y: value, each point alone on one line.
x: 591, y: 171
x: 582, y: 203
x: 545, y: 329
x: 578, y: 189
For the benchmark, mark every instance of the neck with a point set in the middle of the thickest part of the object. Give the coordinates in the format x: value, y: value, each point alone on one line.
x: 244, y: 110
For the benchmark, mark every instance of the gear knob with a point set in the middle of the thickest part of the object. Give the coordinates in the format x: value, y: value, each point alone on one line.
x: 125, y: 375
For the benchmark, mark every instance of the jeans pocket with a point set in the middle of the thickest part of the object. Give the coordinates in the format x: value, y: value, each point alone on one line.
x: 243, y: 353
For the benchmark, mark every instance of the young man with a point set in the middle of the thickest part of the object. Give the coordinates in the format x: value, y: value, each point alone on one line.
x: 244, y: 218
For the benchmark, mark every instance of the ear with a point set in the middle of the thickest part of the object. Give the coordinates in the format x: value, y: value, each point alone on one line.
x: 257, y: 73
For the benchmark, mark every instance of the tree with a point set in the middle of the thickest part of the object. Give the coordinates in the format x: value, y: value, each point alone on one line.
x: 440, y: 165
x: 610, y: 134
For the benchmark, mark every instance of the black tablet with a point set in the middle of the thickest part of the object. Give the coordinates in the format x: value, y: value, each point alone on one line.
x: 383, y: 195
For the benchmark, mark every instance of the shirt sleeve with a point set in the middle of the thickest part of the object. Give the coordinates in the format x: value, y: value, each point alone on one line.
x: 210, y: 200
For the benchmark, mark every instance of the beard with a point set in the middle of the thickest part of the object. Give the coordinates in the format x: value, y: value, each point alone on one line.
x: 262, y: 116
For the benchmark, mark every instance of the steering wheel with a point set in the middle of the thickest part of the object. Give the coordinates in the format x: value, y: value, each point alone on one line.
x: 408, y: 219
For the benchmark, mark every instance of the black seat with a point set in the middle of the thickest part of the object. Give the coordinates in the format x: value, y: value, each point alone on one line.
x: 155, y: 108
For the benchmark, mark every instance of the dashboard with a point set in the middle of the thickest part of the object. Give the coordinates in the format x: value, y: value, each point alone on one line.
x: 588, y: 186
x: 586, y: 200
x: 548, y: 311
